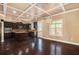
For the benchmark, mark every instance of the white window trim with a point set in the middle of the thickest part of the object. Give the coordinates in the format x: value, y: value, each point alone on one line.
x: 56, y: 29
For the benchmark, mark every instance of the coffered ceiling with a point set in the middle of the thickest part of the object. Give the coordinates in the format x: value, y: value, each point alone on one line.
x: 27, y: 12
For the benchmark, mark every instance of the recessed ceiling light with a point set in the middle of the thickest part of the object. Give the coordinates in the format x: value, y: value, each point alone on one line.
x: 14, y: 12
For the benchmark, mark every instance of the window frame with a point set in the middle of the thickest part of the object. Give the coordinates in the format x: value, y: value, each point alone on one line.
x: 55, y: 28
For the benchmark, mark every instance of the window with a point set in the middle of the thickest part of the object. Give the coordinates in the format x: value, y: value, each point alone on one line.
x: 56, y: 28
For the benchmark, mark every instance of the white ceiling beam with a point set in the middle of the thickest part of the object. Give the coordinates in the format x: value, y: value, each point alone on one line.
x: 73, y: 10
x: 56, y: 7
x: 26, y: 10
x: 53, y: 8
x: 8, y: 14
x: 13, y: 8
x: 5, y: 9
x: 11, y: 14
x: 62, y: 7
x: 47, y: 12
x: 40, y: 15
x: 43, y: 10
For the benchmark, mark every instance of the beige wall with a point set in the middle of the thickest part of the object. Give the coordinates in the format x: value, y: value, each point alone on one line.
x: 71, y: 24
x: 70, y: 27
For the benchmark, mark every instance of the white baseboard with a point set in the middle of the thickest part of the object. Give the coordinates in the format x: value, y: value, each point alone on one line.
x: 61, y: 41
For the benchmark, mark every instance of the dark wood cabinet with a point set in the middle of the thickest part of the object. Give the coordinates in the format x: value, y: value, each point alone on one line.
x: 7, y: 35
x: 20, y: 36
x: 18, y: 31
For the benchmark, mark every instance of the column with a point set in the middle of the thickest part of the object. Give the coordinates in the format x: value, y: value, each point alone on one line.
x: 2, y: 31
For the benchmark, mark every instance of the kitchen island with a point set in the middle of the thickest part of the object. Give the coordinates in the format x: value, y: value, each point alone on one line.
x: 22, y: 34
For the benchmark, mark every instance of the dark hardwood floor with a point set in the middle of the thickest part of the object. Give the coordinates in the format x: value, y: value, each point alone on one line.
x: 37, y: 46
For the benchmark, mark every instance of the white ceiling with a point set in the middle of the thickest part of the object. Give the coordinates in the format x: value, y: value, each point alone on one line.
x: 25, y: 12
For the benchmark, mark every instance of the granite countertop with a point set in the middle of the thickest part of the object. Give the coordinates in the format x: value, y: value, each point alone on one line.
x: 22, y: 31
x: 19, y: 31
